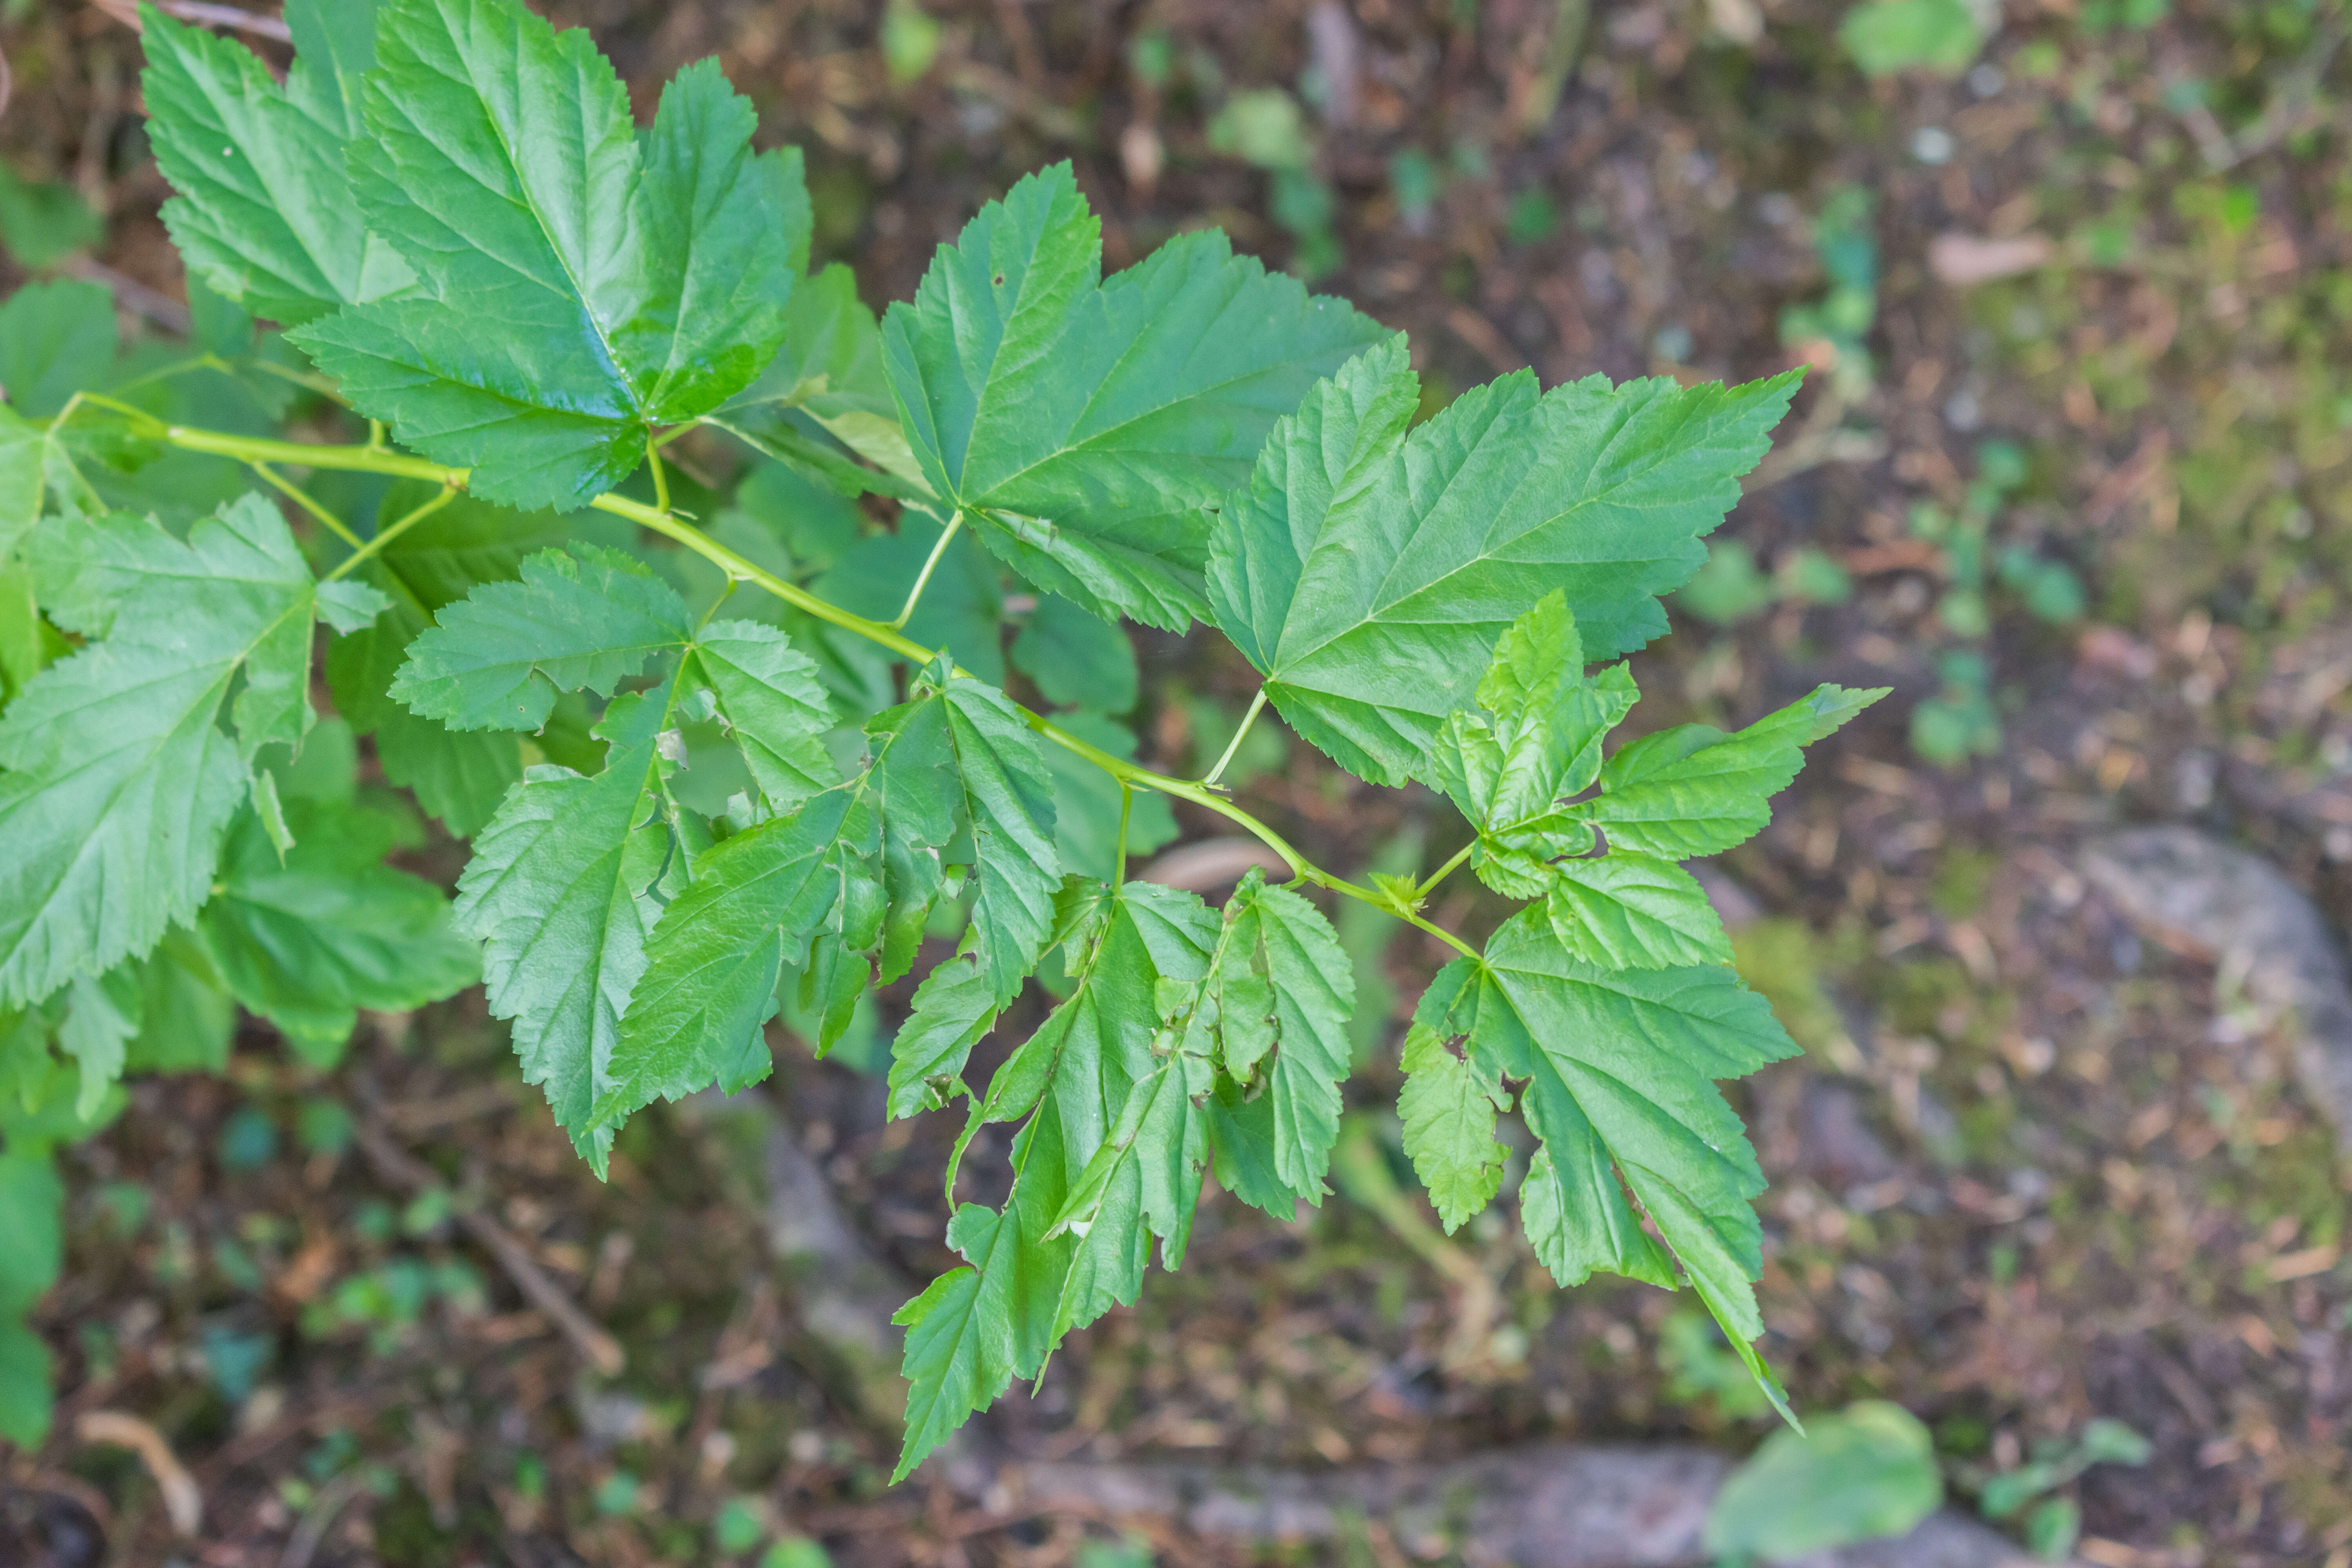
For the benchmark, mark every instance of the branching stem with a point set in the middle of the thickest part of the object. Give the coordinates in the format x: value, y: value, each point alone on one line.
x: 333, y: 525
x: 1130, y: 776
x: 1445, y: 871
x: 392, y: 530
x: 1234, y: 744
x: 923, y: 578
x: 661, y: 475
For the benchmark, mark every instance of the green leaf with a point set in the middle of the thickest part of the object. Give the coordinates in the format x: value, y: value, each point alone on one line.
x: 120, y: 780
x: 979, y: 1327
x: 579, y: 285
x: 497, y: 659
x: 1086, y: 803
x: 1283, y: 943
x: 1617, y: 1069
x: 1079, y: 422
x: 32, y: 1238
x: 308, y: 939
x: 1367, y: 571
x: 1886, y: 36
x: 1624, y: 911
x: 264, y: 211
x: 959, y: 609
x: 459, y: 776
x: 1448, y: 1106
x: 334, y: 46
x: 829, y: 372
x: 1867, y: 1473
x: 1007, y: 799
x: 565, y: 884
x: 755, y: 902
x: 769, y: 698
x: 188, y: 1019
x: 102, y: 1014
x: 1695, y: 791
x: 1077, y: 659
x: 42, y: 224
x: 55, y: 338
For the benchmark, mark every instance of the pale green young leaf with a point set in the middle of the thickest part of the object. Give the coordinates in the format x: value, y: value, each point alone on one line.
x: 829, y: 371
x: 495, y: 660
x: 1448, y: 1106
x: 563, y: 888
x: 1077, y: 421
x: 120, y: 777
x: 308, y: 939
x: 1367, y: 573
x: 578, y: 286
x: 1694, y: 791
x: 1626, y: 910
x: 265, y: 210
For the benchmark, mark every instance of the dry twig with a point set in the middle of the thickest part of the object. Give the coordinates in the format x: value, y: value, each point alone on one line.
x: 400, y: 1168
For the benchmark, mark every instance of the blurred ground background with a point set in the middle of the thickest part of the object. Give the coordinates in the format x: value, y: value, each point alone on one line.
x: 2074, y: 478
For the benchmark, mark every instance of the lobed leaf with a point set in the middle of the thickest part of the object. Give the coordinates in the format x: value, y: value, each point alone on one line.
x: 1076, y: 422
x: 577, y: 285
x: 1367, y: 571
x: 120, y: 779
x: 265, y: 210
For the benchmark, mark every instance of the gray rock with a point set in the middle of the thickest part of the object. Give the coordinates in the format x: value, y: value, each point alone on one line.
x: 2193, y: 892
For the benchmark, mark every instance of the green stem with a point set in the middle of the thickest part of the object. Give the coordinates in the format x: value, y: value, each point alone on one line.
x: 366, y: 460
x: 661, y: 478
x: 930, y: 564
x: 385, y: 536
x: 1234, y: 744
x: 1445, y: 871
x: 334, y: 524
x: 1126, y: 807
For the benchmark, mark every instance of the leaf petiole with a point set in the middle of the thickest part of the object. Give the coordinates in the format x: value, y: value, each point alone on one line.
x: 1234, y: 744
x: 923, y: 579
x: 661, y: 475
x: 1445, y: 871
x: 392, y: 530
x: 334, y: 525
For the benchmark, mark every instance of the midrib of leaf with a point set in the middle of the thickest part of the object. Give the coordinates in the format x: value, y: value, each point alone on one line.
x: 300, y: 232
x: 579, y: 290
x: 1108, y: 431
x: 1381, y: 604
